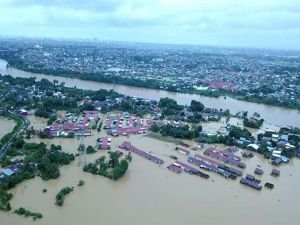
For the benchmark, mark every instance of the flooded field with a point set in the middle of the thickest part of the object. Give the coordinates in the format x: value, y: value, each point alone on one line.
x: 6, y: 126
x: 152, y: 195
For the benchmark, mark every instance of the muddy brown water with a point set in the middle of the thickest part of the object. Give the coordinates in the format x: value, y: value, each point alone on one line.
x: 152, y: 195
x: 6, y: 126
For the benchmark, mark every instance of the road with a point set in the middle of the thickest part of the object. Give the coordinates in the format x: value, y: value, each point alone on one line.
x: 24, y: 125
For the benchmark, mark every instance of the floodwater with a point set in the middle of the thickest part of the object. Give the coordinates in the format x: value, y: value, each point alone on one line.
x: 152, y: 195
x: 273, y: 115
x: 6, y: 126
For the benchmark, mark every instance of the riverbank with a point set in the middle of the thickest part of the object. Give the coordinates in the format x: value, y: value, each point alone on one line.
x: 149, y: 85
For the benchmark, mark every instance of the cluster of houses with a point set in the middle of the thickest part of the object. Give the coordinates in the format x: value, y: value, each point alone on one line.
x: 225, y: 156
x: 12, y: 169
x: 214, y: 166
x: 124, y: 124
x: 71, y: 125
x: 277, y: 145
x: 104, y: 143
x: 148, y: 155
x: 178, y: 166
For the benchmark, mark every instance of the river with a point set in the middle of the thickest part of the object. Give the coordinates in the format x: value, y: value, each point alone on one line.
x: 272, y: 114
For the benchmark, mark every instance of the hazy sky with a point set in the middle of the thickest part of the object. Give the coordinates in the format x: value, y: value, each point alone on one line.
x: 249, y: 23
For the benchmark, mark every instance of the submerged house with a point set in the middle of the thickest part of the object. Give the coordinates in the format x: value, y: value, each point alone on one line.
x: 175, y: 167
x: 148, y: 155
x: 275, y: 173
x: 258, y: 171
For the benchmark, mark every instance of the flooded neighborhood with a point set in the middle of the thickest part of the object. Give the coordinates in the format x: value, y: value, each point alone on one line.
x: 151, y: 191
x: 170, y: 180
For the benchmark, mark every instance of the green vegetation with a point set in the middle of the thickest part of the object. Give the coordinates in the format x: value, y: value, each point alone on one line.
x: 38, y: 161
x: 8, y: 136
x: 52, y: 119
x: 163, y: 138
x: 43, y: 113
x: 195, y: 118
x: 238, y: 133
x: 48, y: 160
x: 45, y: 190
x: 99, y: 126
x: 147, y: 83
x: 90, y: 150
x: 196, y: 106
x: 176, y: 132
x: 24, y: 212
x: 235, y: 134
x: 80, y: 183
x: 60, y: 197
x: 169, y: 106
x: 216, y: 139
x: 113, y: 168
x: 253, y: 123
x: 5, y: 197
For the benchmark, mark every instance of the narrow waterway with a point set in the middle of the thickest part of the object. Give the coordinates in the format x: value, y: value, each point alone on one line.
x: 273, y: 115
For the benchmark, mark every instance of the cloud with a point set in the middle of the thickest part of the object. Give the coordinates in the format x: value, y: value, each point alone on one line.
x: 214, y: 22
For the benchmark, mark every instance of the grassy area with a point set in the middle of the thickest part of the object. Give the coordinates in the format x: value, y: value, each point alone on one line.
x: 163, y: 138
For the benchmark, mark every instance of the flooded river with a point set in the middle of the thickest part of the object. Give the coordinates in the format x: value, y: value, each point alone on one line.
x: 273, y: 115
x: 152, y: 195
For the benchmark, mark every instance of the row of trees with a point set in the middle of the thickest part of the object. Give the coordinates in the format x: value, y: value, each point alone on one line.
x: 24, y: 212
x: 60, y: 197
x: 177, y: 132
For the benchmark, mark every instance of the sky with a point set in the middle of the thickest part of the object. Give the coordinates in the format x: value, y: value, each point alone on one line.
x: 235, y: 23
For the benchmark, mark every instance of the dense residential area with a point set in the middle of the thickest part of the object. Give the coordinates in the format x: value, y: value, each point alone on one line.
x: 86, y: 113
x: 102, y: 134
x: 263, y: 76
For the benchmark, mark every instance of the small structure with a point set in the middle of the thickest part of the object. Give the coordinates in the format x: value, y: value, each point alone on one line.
x: 182, y: 150
x: 269, y: 185
x: 23, y: 112
x: 275, y: 173
x: 247, y: 154
x: 175, y: 168
x: 252, y: 178
x: 214, y: 166
x: 7, y: 172
x: 250, y: 183
x: 276, y: 161
x: 258, y: 171
x: 148, y: 155
x: 192, y: 170
x: 252, y: 147
x: 104, y: 143
x: 119, y: 153
x: 226, y: 157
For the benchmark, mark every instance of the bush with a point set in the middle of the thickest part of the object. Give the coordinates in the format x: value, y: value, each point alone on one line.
x: 60, y: 197
x: 24, y: 212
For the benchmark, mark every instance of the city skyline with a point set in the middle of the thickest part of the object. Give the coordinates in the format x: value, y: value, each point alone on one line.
x: 229, y: 23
